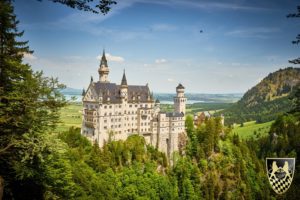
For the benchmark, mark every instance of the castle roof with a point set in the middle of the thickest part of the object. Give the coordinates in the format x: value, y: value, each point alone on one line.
x: 180, y: 86
x: 124, y: 80
x: 174, y: 114
x: 136, y: 93
x: 103, y: 59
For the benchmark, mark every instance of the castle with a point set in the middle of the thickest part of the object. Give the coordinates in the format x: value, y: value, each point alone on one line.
x: 117, y: 111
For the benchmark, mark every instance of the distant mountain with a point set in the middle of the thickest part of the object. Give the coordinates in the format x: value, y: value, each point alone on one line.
x: 198, y: 97
x: 71, y: 91
x: 275, y: 85
x: 267, y: 99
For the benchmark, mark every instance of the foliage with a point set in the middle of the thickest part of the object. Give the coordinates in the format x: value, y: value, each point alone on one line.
x: 29, y: 105
x: 219, y: 166
x: 103, y: 6
x: 297, y: 41
x: 120, y: 170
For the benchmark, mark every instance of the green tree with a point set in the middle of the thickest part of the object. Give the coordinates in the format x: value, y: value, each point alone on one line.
x: 29, y: 105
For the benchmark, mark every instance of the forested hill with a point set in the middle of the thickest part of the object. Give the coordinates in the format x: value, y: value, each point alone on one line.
x: 267, y: 99
x: 276, y: 85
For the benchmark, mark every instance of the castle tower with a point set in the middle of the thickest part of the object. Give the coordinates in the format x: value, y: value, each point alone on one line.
x: 124, y: 87
x: 179, y: 100
x: 103, y: 69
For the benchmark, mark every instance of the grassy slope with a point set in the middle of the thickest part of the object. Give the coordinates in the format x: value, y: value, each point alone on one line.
x: 70, y: 116
x: 249, y: 128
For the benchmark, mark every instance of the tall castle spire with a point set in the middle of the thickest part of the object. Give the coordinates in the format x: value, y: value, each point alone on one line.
x: 103, y: 69
x: 124, y: 87
x: 124, y: 80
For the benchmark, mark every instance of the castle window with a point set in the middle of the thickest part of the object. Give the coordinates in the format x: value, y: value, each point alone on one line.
x: 110, y: 106
x: 105, y: 121
x: 111, y: 126
x: 105, y: 127
x: 136, y: 105
x: 105, y: 107
x: 130, y: 106
x: 112, y: 120
x: 104, y: 114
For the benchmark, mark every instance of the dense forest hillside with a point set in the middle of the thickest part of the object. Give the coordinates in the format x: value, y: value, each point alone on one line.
x: 283, y: 141
x: 266, y: 100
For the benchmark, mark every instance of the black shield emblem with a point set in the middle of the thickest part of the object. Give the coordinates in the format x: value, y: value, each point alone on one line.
x: 280, y: 173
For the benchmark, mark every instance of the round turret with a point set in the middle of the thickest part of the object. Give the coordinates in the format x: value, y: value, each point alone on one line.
x: 180, y: 88
x: 179, y: 100
x: 103, y: 69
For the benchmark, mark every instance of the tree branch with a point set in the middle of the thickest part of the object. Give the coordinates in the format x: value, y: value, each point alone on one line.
x: 3, y: 151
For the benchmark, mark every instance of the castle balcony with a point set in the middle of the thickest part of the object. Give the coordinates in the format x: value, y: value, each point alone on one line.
x: 90, y: 124
x: 89, y: 112
x: 90, y: 117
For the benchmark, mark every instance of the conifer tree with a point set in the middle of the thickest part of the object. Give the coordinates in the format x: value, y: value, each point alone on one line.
x: 29, y: 105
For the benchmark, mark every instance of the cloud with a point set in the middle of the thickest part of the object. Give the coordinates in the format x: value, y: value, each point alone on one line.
x: 255, y: 32
x: 112, y: 58
x: 170, y: 80
x: 29, y: 56
x: 160, y: 61
x: 209, y: 4
x: 163, y: 27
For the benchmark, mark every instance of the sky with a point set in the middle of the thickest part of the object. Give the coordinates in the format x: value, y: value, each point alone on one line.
x: 210, y: 46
